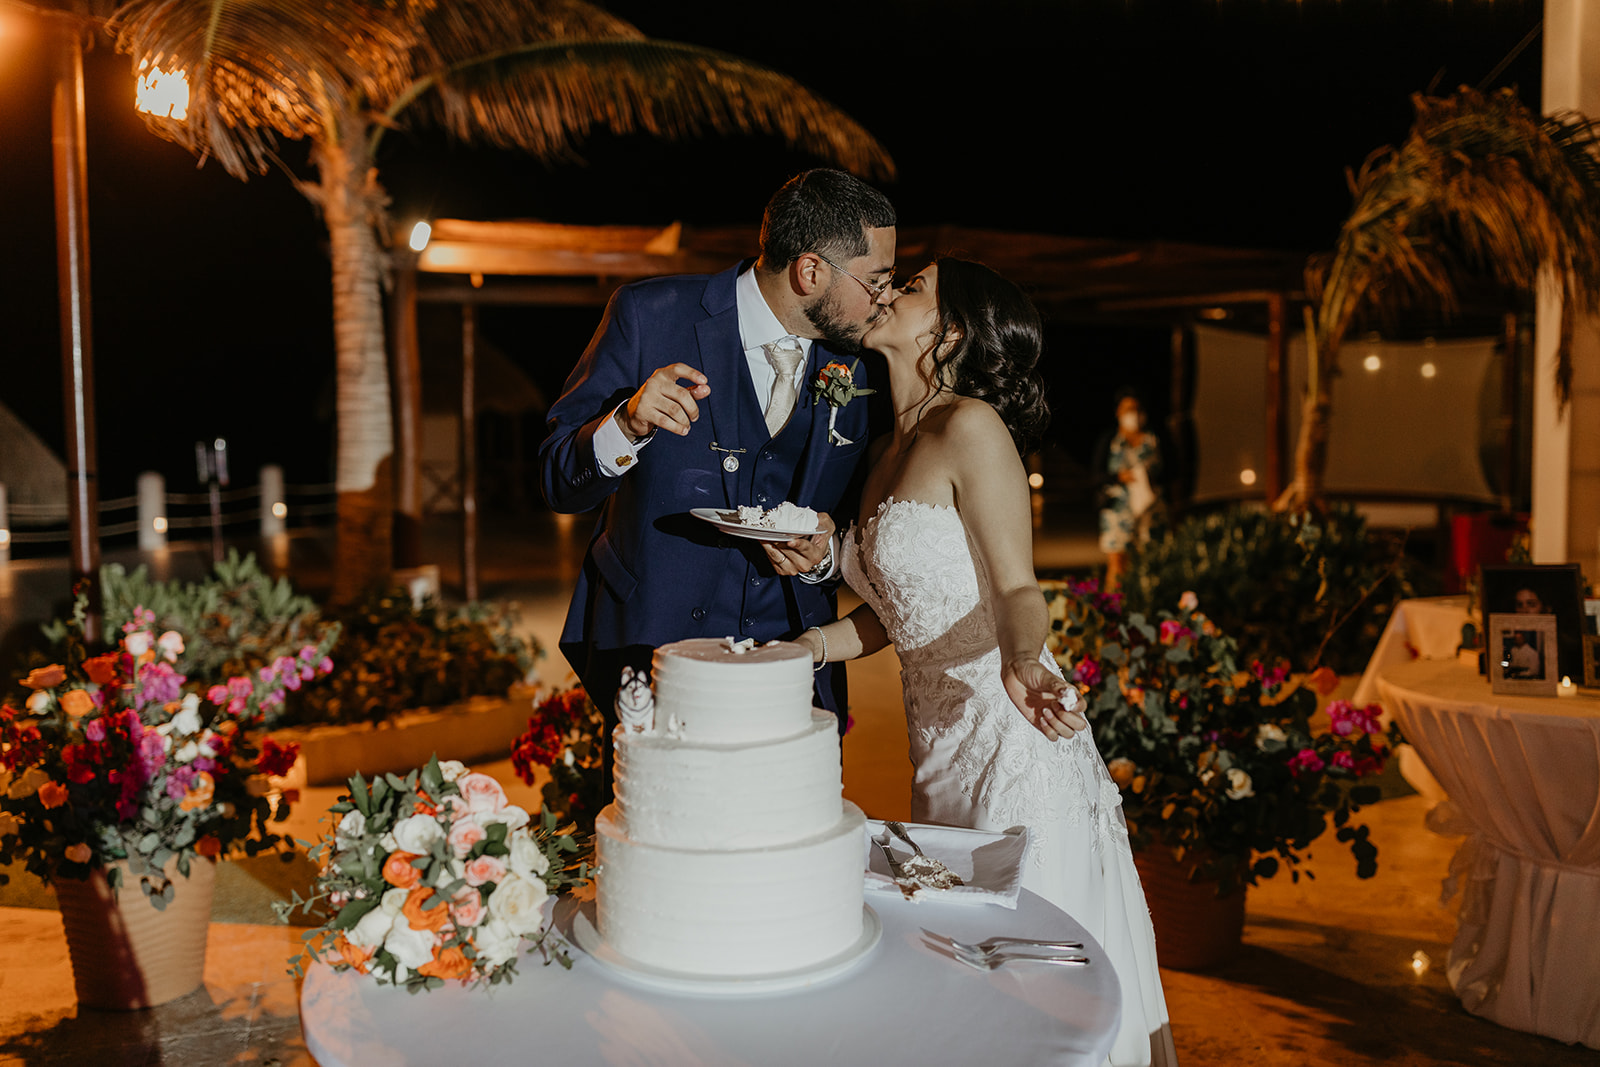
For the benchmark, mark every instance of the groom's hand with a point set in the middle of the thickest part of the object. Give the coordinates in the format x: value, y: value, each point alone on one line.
x: 1049, y: 703
x: 801, y: 555
x: 662, y: 403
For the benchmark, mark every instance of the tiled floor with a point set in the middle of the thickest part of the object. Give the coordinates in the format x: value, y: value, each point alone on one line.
x: 1325, y: 977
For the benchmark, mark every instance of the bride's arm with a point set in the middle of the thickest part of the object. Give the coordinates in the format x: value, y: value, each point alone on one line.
x: 991, y: 491
x: 857, y: 634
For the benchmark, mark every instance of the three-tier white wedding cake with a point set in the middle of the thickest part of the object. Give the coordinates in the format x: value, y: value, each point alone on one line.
x: 729, y: 849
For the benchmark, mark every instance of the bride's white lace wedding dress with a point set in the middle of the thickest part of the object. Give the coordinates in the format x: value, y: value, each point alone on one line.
x: 980, y: 764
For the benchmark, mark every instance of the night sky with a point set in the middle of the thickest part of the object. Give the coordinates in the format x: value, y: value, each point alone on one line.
x: 1227, y: 122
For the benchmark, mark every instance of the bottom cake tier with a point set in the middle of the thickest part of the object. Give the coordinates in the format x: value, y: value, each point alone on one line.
x: 748, y: 911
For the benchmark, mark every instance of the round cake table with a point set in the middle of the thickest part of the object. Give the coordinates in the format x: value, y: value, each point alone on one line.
x: 905, y: 1003
x: 1523, y: 777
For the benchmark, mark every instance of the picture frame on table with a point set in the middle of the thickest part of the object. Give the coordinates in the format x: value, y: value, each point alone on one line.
x: 1523, y: 654
x: 1543, y: 589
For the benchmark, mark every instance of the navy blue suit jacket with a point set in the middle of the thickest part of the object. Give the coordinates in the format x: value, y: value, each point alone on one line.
x: 653, y: 573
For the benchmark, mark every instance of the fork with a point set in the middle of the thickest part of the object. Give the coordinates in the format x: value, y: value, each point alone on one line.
x: 985, y: 948
x: 990, y: 962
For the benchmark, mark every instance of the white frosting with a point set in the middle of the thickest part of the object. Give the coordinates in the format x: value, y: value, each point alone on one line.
x: 739, y: 912
x: 687, y: 795
x: 722, y: 697
x: 785, y: 516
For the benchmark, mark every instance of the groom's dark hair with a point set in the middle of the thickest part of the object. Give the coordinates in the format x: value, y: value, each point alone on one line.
x: 821, y: 210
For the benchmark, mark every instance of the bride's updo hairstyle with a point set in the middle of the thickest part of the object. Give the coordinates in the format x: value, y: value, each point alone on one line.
x: 995, y: 338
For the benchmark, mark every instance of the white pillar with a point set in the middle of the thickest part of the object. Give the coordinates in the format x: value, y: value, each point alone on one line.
x: 273, y: 507
x: 5, y: 527
x: 152, y: 511
x: 1566, y: 461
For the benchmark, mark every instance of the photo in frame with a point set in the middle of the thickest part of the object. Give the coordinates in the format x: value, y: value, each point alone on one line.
x: 1541, y: 589
x: 1523, y: 654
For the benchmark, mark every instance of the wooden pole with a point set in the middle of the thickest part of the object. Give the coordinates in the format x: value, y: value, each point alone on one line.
x: 1277, y: 387
x: 70, y: 157
x: 407, y: 376
x: 469, y: 451
x: 1510, y: 417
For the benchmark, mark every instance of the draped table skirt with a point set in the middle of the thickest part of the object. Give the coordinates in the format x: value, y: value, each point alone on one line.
x: 1523, y: 778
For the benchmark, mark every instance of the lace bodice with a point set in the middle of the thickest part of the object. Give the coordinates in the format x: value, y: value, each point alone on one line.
x: 913, y: 565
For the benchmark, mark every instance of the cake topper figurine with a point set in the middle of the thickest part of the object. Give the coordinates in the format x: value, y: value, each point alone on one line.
x: 636, y: 704
x: 739, y: 648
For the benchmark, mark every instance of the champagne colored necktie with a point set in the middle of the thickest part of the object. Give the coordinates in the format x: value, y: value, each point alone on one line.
x: 785, y: 355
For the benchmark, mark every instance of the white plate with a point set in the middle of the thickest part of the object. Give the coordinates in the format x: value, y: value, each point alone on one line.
x: 728, y: 522
x: 578, y: 918
x: 988, y: 862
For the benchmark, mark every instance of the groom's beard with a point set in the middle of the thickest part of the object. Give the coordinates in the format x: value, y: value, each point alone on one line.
x: 841, y: 334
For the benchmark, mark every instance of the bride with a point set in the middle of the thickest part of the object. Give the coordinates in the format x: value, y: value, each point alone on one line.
x: 943, y: 560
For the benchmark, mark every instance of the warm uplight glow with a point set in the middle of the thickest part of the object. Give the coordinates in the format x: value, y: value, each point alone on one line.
x: 1420, y: 963
x: 1372, y: 362
x: 1566, y: 682
x: 1035, y: 481
x: 159, y: 524
x: 1213, y: 314
x: 279, y: 510
x: 5, y: 538
x: 1247, y: 477
x: 419, y: 236
x: 1429, y: 370
x: 164, y: 93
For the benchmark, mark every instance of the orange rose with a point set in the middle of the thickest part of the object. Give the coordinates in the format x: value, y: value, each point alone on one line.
x: 52, y: 794
x: 398, y: 872
x: 77, y: 702
x: 1323, y: 680
x: 102, y: 670
x: 209, y: 847
x: 200, y: 791
x: 355, y: 955
x: 422, y: 918
x: 46, y: 677
x: 447, y: 963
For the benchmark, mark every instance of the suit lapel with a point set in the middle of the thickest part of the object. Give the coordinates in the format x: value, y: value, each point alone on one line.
x: 720, y: 357
x: 807, y: 406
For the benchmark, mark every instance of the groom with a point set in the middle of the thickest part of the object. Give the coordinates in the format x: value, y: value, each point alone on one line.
x: 695, y: 392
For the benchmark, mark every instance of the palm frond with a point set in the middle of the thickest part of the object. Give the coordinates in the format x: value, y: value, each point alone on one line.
x: 450, y: 33
x: 259, y: 69
x: 543, y: 97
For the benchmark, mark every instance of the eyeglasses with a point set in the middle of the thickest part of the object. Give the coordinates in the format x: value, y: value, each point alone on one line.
x: 876, y: 290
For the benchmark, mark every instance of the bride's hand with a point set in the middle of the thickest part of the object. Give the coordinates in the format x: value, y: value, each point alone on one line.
x: 1048, y: 703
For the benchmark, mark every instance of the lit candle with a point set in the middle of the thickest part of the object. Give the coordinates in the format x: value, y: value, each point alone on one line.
x: 1567, y: 688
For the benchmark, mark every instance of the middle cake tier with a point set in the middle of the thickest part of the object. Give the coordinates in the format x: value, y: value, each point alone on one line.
x: 680, y: 794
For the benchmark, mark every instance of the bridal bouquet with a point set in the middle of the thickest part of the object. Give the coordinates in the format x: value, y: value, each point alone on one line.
x: 120, y: 761
x: 435, y: 877
x: 1215, y: 754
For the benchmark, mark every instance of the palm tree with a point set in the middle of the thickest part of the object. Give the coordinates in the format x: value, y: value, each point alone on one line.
x: 1481, y: 186
x: 530, y: 74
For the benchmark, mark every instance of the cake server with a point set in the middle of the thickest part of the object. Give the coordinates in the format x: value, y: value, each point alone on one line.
x: 882, y: 841
x: 931, y: 870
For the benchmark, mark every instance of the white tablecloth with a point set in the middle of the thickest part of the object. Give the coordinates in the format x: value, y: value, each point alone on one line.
x: 904, y: 1004
x: 1523, y: 776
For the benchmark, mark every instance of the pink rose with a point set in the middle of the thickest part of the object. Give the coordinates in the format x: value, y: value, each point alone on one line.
x: 464, y: 834
x: 485, y: 869
x: 1344, y: 761
x: 1173, y: 631
x: 1305, y: 760
x: 1188, y: 601
x: 466, y: 907
x: 481, y: 792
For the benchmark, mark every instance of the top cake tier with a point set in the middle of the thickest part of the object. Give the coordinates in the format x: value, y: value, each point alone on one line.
x: 724, y: 697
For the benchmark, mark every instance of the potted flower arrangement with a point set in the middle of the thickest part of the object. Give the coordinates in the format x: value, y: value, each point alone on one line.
x: 562, y: 747
x: 1220, y: 768
x: 435, y: 877
x: 121, y: 771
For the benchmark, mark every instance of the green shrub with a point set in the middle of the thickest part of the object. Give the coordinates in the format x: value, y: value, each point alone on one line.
x: 392, y: 656
x: 1296, y: 586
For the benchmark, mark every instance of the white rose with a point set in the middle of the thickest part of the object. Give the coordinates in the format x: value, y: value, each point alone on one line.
x: 1269, y: 732
x: 418, y: 834
x: 514, y: 817
x: 188, y: 752
x: 527, y: 859
x: 1239, y: 785
x: 567, y: 758
x: 372, y: 929
x: 39, y: 702
x: 496, y: 942
x: 411, y: 947
x: 351, y: 827
x: 452, y: 769
x: 387, y: 842
x: 206, y: 748
x: 393, y: 900
x: 519, y: 903
x: 187, y: 721
x: 171, y: 644
x: 137, y: 644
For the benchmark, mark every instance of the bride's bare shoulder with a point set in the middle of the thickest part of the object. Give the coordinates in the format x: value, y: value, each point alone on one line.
x: 971, y: 422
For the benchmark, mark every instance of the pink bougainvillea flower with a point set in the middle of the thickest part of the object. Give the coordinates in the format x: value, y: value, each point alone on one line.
x: 1305, y: 760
